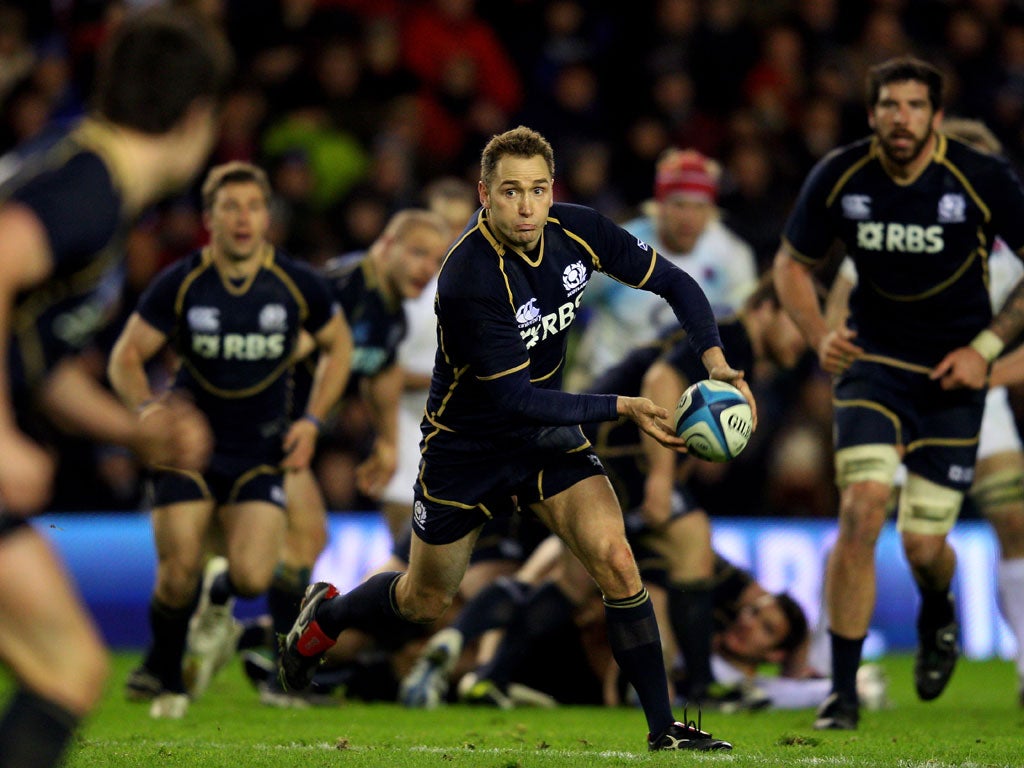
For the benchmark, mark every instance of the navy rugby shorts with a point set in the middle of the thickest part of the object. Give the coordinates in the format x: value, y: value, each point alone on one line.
x: 464, y: 482
x: 877, y: 403
x: 227, y: 480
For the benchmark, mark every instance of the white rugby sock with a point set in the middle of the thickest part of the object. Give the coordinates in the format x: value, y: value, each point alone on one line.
x: 1010, y: 578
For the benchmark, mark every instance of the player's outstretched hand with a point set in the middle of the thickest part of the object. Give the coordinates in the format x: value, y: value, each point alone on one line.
x: 26, y: 474
x: 174, y: 433
x: 374, y: 474
x: 299, y: 445
x: 963, y: 368
x: 650, y: 418
x: 837, y: 352
x: 732, y: 376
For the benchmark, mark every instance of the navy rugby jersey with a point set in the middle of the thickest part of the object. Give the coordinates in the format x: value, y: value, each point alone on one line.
x: 503, y: 320
x: 236, y: 340
x: 70, y: 188
x: 377, y: 322
x: 618, y: 443
x: 921, y: 248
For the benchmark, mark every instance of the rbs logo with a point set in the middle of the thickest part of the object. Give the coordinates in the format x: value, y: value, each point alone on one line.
x: 239, y: 346
x: 902, y: 238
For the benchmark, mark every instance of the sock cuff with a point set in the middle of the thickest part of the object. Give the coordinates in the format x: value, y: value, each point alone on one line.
x: 633, y: 601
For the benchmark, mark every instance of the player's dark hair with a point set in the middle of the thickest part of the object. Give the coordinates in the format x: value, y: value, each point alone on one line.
x: 900, y: 70
x: 235, y: 172
x: 159, y: 62
x: 797, y: 622
x: 518, y: 142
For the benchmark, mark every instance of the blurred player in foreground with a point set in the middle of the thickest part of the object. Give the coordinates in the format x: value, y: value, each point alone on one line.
x: 498, y: 425
x: 62, y: 215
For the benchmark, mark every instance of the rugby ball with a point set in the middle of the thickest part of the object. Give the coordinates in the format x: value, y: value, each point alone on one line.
x: 714, y: 419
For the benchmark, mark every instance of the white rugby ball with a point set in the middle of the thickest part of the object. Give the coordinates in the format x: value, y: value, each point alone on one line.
x: 714, y: 419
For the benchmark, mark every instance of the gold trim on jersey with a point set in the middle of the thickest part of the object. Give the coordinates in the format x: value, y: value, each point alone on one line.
x: 506, y: 372
x: 262, y: 469
x: 191, y: 474
x: 895, y: 362
x: 847, y: 174
x: 100, y: 137
x: 798, y: 255
x: 946, y: 441
x: 457, y: 374
x: 265, y: 258
x: 873, y: 406
x: 968, y: 187
x: 508, y: 287
x: 935, y: 289
x: 205, y: 263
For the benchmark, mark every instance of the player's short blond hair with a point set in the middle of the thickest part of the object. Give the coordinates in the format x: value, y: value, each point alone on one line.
x: 234, y: 172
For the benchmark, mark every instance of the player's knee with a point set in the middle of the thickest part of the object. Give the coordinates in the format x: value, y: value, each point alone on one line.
x: 79, y: 682
x: 922, y: 550
x: 177, y: 581
x: 423, y: 605
x: 1000, y: 494
x: 251, y: 581
x: 927, y: 509
x: 863, y: 510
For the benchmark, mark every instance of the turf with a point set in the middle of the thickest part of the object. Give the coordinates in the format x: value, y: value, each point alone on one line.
x: 977, y: 722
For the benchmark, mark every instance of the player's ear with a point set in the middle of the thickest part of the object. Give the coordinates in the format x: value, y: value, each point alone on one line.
x: 485, y: 198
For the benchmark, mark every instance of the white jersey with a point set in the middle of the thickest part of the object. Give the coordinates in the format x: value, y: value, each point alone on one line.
x: 722, y: 264
x: 415, y: 355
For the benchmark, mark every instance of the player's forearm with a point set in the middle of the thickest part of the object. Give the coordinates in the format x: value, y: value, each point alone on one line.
x: 127, y: 373
x: 385, y: 390
x: 331, y: 375
x: 79, y: 404
x: 1009, y: 369
x: 1008, y: 323
x: 795, y: 287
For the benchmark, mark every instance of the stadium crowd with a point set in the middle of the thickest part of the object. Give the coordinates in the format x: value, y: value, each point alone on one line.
x: 353, y: 107
x: 691, y: 123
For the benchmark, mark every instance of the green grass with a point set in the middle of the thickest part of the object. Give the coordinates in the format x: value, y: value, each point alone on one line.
x: 977, y: 722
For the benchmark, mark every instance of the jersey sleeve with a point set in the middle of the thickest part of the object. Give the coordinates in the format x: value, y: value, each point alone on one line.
x: 321, y: 305
x: 808, y: 231
x: 77, y: 206
x: 479, y: 329
x: 157, y: 305
x: 1008, y: 206
x: 632, y: 261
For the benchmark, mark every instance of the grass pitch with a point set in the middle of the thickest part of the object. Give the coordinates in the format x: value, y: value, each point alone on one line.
x: 977, y: 722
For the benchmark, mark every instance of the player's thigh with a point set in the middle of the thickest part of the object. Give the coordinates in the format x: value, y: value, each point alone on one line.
x: 46, y: 637
x: 180, y: 532
x: 588, y: 519
x: 437, y: 569
x: 306, y: 533
x: 254, y: 532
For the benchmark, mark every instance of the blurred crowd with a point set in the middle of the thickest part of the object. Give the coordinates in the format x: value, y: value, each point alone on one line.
x: 353, y: 107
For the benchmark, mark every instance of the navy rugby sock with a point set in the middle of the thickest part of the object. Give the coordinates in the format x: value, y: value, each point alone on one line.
x: 546, y: 610
x: 691, y: 608
x: 846, y: 653
x: 285, y: 596
x: 636, y: 646
x: 493, y: 607
x: 369, y: 607
x: 34, y: 731
x: 936, y: 609
x: 170, y: 627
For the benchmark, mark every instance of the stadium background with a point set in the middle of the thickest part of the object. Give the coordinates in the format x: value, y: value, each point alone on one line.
x: 354, y: 106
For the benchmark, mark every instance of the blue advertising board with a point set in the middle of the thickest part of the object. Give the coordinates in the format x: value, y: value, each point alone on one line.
x: 112, y: 559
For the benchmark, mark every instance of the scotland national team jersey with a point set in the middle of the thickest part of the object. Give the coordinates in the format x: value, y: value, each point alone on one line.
x: 236, y: 341
x: 377, y: 322
x: 502, y: 313
x: 921, y: 248
x: 619, y: 443
x: 71, y: 189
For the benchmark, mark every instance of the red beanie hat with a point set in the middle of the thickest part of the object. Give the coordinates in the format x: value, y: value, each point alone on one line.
x: 687, y: 173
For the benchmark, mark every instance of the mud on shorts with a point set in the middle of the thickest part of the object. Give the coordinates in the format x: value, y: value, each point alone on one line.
x: 463, y: 483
